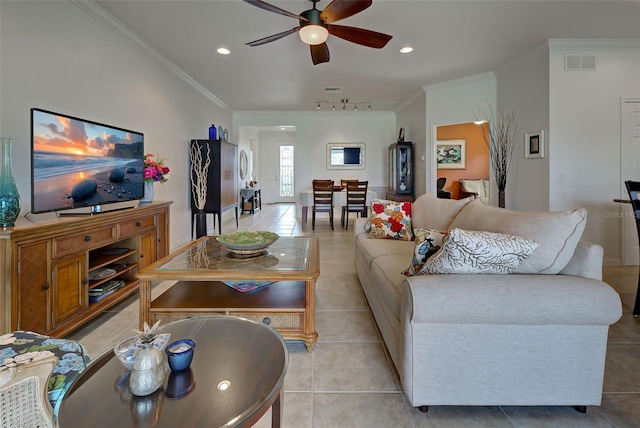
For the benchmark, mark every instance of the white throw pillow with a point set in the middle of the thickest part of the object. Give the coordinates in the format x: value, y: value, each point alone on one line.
x: 466, y: 251
x: 557, y: 232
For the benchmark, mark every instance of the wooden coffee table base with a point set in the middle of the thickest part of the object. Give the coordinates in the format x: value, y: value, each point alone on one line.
x: 287, y: 306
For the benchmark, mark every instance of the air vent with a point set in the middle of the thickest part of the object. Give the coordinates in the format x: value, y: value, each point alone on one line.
x: 332, y: 89
x: 577, y: 63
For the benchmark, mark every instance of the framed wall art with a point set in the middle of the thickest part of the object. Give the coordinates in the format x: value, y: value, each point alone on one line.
x: 534, y: 145
x: 451, y: 154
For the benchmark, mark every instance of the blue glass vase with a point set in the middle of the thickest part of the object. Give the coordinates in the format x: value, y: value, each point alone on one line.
x: 9, y: 197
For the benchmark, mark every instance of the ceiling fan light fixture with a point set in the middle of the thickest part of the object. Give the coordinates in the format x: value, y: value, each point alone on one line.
x: 313, y: 34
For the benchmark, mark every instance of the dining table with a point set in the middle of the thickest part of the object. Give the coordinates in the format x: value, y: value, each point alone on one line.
x: 339, y: 199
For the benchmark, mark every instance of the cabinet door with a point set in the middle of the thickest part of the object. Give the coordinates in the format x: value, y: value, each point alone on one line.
x: 70, y: 295
x: 163, y: 240
x: 228, y: 181
x: 147, y: 249
x: 33, y: 288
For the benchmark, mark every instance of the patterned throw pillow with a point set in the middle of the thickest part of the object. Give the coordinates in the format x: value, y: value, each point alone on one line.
x: 390, y: 220
x: 466, y: 251
x: 428, y: 242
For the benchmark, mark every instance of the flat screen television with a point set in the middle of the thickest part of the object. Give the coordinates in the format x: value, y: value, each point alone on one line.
x: 78, y: 163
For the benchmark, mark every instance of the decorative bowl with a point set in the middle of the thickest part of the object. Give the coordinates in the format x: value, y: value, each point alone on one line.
x: 247, y: 241
x: 180, y: 354
x: 126, y: 350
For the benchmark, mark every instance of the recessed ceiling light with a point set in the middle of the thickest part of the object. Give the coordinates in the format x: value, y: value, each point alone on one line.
x: 406, y: 49
x: 223, y: 51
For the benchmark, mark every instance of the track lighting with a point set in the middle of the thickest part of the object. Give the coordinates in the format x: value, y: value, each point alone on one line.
x: 346, y: 104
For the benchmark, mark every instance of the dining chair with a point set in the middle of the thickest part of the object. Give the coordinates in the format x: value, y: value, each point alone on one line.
x: 633, y: 189
x: 356, y: 201
x: 322, y: 200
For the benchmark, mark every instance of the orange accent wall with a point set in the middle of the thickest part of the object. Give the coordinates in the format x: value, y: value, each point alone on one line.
x: 477, y: 155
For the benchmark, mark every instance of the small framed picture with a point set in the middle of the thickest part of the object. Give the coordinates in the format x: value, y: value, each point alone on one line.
x: 534, y: 145
x: 451, y: 154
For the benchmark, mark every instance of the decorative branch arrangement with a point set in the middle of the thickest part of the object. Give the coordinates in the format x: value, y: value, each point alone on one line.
x: 501, y: 136
x: 199, y: 173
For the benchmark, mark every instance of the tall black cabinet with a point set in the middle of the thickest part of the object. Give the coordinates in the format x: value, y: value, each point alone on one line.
x: 222, y: 180
x: 401, y: 171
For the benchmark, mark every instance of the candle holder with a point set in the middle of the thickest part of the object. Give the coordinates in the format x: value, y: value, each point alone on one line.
x: 180, y: 354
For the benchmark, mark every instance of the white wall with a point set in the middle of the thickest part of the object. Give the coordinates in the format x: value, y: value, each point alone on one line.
x: 315, y: 129
x: 56, y: 56
x: 523, y: 86
x: 410, y: 116
x: 455, y: 101
x: 584, y: 151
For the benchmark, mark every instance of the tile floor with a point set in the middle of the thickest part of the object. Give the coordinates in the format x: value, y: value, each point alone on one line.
x: 348, y: 381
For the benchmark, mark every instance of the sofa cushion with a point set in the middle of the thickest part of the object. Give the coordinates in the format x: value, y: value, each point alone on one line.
x: 427, y: 243
x: 373, y: 248
x: 466, y: 251
x: 386, y: 272
x: 390, y: 220
x: 557, y: 232
x: 429, y: 212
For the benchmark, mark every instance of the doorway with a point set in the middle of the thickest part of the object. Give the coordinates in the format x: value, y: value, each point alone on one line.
x: 277, y: 167
x: 475, y: 163
x: 629, y: 170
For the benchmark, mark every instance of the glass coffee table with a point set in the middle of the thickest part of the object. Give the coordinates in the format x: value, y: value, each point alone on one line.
x: 287, y: 304
x: 236, y: 376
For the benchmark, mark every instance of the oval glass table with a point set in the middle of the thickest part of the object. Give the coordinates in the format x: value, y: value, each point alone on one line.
x: 236, y: 375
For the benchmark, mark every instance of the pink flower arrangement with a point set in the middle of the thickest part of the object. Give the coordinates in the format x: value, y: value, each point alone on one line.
x: 155, y: 170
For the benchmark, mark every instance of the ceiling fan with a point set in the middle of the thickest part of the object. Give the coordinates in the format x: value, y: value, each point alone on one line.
x: 315, y: 26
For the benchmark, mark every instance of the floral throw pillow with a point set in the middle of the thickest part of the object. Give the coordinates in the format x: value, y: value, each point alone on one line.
x: 428, y: 242
x: 466, y: 251
x: 390, y: 220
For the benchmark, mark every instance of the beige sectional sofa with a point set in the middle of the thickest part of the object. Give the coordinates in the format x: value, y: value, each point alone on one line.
x: 537, y: 336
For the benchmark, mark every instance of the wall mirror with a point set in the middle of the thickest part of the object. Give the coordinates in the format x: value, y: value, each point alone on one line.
x: 346, y: 155
x: 244, y: 164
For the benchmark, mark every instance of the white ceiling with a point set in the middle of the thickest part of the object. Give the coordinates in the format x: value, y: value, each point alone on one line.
x: 451, y: 39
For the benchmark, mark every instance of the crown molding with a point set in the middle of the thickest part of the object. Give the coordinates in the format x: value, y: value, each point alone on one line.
x: 462, y: 80
x: 590, y: 44
x: 92, y: 9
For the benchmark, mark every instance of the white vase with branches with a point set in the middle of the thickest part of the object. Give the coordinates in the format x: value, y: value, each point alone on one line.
x: 199, y: 173
x: 501, y: 136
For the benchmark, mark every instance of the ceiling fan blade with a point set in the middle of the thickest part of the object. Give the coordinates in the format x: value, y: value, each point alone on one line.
x: 272, y: 38
x: 363, y: 37
x: 271, y: 8
x: 319, y: 53
x: 340, y: 9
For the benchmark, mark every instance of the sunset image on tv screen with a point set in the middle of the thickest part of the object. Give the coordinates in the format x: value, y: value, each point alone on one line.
x: 78, y: 163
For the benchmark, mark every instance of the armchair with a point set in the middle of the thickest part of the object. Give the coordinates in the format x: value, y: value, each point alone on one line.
x: 478, y: 187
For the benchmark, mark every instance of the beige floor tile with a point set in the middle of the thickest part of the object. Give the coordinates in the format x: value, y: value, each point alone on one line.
x: 626, y: 330
x: 461, y: 417
x: 299, y: 377
x: 298, y: 408
x: 622, y: 372
x: 623, y: 410
x: 345, y: 326
x: 553, y: 417
x: 341, y: 299
x: 356, y: 367
x: 355, y: 410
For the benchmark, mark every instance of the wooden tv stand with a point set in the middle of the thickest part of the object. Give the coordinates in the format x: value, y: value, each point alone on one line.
x: 46, y: 264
